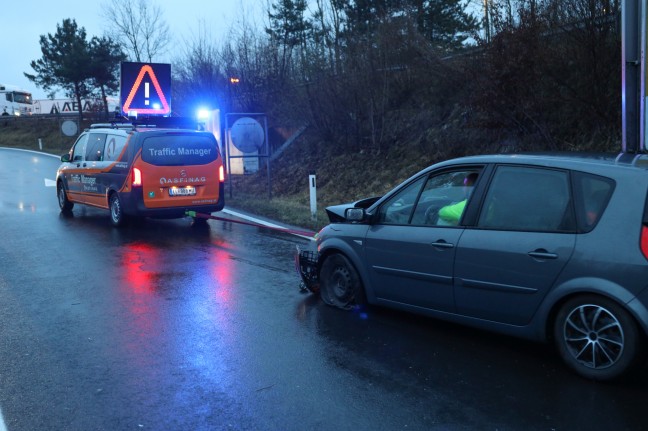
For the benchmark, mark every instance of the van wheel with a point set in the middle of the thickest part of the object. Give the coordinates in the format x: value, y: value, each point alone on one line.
x: 340, y: 284
x: 597, y: 338
x: 64, y: 202
x: 117, y: 216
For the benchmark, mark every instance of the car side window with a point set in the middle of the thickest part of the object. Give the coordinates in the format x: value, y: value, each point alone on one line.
x: 78, y: 151
x: 398, y: 209
x: 95, y: 147
x: 420, y: 202
x: 114, y: 146
x: 528, y: 199
x: 444, y: 198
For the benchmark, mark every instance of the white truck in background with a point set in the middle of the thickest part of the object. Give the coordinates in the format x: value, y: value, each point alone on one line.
x: 69, y: 106
x: 14, y: 101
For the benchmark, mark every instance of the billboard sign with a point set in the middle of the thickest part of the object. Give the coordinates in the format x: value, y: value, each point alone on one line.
x: 145, y: 88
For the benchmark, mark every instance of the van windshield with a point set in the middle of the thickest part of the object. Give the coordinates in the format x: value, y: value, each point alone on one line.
x: 179, y: 150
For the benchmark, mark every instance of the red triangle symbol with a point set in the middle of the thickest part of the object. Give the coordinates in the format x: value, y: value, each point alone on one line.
x: 165, y: 106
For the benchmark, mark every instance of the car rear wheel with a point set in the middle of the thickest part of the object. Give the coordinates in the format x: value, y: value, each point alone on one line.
x: 117, y: 216
x: 597, y: 338
x: 340, y: 284
x: 64, y: 202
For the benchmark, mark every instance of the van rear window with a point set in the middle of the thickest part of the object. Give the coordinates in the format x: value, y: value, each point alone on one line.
x: 179, y: 150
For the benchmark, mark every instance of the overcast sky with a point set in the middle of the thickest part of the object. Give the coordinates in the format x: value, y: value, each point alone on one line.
x: 24, y: 21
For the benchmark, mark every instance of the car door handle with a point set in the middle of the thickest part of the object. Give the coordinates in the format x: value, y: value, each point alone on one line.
x: 442, y: 244
x: 543, y: 254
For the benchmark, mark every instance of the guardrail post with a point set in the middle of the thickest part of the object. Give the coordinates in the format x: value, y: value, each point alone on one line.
x: 313, y: 196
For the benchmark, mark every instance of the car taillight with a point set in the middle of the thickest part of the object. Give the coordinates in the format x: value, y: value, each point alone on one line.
x: 221, y: 174
x: 137, y: 177
x: 644, y: 241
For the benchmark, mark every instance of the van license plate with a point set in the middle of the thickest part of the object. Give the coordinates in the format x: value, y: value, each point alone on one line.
x: 182, y: 191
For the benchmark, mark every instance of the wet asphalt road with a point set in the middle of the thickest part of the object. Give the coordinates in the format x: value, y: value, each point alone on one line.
x: 163, y: 326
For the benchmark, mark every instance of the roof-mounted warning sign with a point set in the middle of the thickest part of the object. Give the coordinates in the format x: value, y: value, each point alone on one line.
x: 145, y: 88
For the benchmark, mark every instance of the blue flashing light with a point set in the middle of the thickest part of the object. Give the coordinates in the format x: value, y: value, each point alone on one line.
x: 202, y: 114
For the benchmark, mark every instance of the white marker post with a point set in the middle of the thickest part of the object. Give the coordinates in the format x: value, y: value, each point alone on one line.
x: 40, y: 144
x: 313, y: 196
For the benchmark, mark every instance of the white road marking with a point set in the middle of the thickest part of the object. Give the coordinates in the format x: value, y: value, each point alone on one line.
x: 50, y: 183
x: 3, y: 427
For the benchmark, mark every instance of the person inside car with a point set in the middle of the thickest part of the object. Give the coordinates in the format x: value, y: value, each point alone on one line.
x: 449, y: 215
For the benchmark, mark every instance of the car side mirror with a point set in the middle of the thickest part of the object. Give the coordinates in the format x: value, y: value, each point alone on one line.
x: 354, y: 214
x: 65, y: 158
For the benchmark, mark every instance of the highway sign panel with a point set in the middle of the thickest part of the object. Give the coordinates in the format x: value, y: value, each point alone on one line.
x: 145, y: 88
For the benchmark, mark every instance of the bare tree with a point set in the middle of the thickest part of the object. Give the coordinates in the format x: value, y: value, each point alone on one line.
x: 139, y: 27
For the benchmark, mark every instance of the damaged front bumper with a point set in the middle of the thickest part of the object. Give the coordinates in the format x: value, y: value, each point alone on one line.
x: 306, y: 265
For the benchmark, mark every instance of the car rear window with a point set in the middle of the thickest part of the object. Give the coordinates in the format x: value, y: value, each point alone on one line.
x: 179, y: 150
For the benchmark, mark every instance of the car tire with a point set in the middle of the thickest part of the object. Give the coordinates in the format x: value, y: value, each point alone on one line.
x: 64, y: 203
x: 117, y: 216
x: 340, y: 285
x: 597, y: 337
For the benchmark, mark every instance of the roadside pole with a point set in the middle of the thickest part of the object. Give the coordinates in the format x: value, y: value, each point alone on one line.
x: 633, y: 79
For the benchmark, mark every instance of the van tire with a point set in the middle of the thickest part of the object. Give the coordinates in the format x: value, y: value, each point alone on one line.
x: 64, y: 202
x: 117, y: 217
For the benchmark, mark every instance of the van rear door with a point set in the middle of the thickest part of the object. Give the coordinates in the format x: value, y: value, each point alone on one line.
x: 179, y: 169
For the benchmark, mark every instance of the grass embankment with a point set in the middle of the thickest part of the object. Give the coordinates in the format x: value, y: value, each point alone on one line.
x: 36, y: 133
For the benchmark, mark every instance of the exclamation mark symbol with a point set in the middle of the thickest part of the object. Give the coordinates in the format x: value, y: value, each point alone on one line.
x: 146, y: 93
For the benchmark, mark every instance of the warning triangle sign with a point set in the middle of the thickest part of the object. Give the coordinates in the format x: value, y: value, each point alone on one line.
x: 146, y: 70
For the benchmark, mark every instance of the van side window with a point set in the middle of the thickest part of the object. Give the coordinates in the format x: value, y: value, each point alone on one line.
x: 95, y: 147
x: 114, y: 146
x: 79, y: 148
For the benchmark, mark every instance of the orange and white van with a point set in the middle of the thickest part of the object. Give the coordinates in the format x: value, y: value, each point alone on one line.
x: 136, y: 170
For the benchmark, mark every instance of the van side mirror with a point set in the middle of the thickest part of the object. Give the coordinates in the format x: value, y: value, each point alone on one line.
x: 65, y: 158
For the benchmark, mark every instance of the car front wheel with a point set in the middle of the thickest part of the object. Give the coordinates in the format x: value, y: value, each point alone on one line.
x: 64, y: 203
x: 340, y: 284
x: 117, y: 216
x: 597, y: 338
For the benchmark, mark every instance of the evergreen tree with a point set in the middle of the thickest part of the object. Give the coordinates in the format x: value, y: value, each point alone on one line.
x: 445, y: 23
x: 65, y: 61
x: 288, y: 28
x: 106, y: 56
